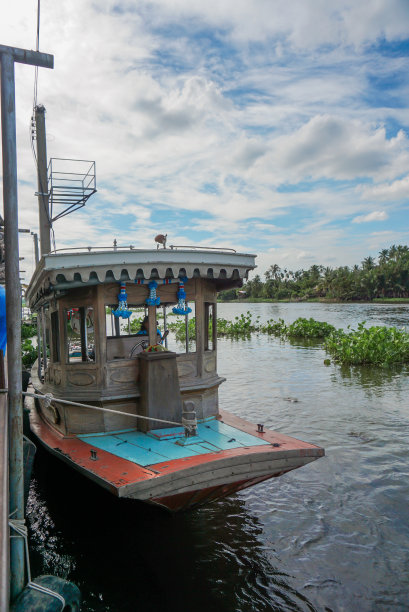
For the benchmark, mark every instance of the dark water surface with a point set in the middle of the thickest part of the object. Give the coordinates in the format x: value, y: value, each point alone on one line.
x: 333, y: 535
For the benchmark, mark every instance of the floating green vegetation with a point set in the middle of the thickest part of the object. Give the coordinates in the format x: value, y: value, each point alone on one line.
x: 300, y: 328
x: 135, y: 325
x: 244, y: 325
x: 179, y: 328
x: 309, y: 328
x: 373, y: 345
x: 241, y: 327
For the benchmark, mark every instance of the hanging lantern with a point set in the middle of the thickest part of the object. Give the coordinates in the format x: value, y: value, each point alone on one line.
x: 153, y: 299
x: 122, y: 309
x: 181, y: 308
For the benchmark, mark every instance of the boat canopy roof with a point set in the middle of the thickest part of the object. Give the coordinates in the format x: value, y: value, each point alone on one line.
x: 69, y: 270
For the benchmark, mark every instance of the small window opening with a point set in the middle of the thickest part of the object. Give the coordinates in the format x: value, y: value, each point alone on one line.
x: 55, y: 337
x: 210, y: 327
x: 182, y: 337
x: 80, y: 334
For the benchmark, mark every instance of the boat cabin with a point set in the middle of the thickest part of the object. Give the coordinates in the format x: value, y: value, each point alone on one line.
x: 90, y: 352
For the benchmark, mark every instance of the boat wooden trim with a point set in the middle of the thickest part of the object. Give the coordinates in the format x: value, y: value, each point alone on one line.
x: 72, y: 293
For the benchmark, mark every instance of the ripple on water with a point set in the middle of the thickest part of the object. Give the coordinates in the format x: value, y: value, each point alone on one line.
x: 333, y: 535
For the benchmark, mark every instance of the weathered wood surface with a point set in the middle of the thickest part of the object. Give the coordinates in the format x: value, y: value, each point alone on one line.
x: 4, y: 506
x: 159, y: 387
x: 127, y: 479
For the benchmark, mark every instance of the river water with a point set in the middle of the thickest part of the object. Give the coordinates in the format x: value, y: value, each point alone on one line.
x: 332, y: 536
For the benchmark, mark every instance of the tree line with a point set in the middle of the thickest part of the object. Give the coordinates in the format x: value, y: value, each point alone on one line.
x: 384, y: 277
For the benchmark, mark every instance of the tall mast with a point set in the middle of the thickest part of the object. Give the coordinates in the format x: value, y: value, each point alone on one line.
x: 43, y: 197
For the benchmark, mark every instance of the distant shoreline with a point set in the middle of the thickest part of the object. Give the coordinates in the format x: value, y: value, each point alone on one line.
x: 316, y: 300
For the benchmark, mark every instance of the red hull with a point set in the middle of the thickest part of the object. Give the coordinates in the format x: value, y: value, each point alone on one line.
x: 180, y: 484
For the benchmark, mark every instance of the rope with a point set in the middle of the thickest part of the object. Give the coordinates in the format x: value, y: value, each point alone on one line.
x: 47, y: 591
x: 49, y: 398
x: 19, y: 526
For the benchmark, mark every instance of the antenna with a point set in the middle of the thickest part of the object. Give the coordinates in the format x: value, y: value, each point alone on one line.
x: 72, y: 182
x: 63, y: 187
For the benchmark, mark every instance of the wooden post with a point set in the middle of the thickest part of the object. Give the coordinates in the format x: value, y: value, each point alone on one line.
x: 10, y: 55
x: 160, y: 391
x: 152, y: 325
x: 200, y: 326
x: 42, y: 182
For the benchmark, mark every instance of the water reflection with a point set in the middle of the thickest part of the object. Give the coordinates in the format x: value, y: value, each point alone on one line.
x: 331, y: 536
x: 372, y: 377
x: 125, y: 556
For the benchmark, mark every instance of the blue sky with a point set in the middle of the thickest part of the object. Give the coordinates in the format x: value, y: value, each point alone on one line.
x: 273, y: 127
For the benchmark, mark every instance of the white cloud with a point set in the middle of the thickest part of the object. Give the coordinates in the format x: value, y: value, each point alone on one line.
x: 394, y: 191
x: 339, y: 149
x: 304, y: 24
x: 376, y: 215
x: 230, y: 108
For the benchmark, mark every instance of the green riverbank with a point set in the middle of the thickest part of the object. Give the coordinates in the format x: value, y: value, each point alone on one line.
x: 252, y: 300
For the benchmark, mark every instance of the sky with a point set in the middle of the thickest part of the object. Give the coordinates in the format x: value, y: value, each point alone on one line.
x: 271, y: 127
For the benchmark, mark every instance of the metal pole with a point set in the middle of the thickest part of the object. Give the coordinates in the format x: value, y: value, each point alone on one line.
x: 165, y: 326
x: 43, y: 203
x: 187, y: 330
x: 8, y: 117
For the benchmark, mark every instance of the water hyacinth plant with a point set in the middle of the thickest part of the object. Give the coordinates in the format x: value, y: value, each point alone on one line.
x: 244, y: 325
x: 309, y: 328
x: 300, y: 328
x: 373, y: 345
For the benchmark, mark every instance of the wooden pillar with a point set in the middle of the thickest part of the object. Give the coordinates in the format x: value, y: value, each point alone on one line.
x: 83, y: 334
x: 100, y: 331
x: 200, y: 328
x: 152, y: 325
x: 159, y: 388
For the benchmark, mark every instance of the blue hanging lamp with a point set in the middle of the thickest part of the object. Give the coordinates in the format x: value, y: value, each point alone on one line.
x: 181, y: 308
x: 122, y: 309
x: 153, y: 299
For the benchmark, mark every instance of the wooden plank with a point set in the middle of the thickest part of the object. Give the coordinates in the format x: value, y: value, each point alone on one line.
x: 222, y: 475
x: 227, y: 431
x: 168, y: 450
x: 4, y: 505
x: 119, y: 447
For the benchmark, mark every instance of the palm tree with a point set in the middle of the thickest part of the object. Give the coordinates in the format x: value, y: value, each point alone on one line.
x: 368, y: 263
x: 383, y: 256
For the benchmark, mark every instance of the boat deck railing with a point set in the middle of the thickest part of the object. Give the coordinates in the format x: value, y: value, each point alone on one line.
x: 131, y: 247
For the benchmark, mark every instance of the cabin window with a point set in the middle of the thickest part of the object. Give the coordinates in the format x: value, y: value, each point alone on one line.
x: 45, y: 336
x: 121, y: 333
x: 210, y: 327
x: 55, y: 337
x: 80, y: 334
x: 182, y: 337
x: 123, y: 327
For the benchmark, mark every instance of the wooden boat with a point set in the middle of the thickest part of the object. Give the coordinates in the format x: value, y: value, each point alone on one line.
x: 142, y: 422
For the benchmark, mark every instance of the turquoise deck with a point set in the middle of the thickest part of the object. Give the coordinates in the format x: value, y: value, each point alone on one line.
x: 143, y: 449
